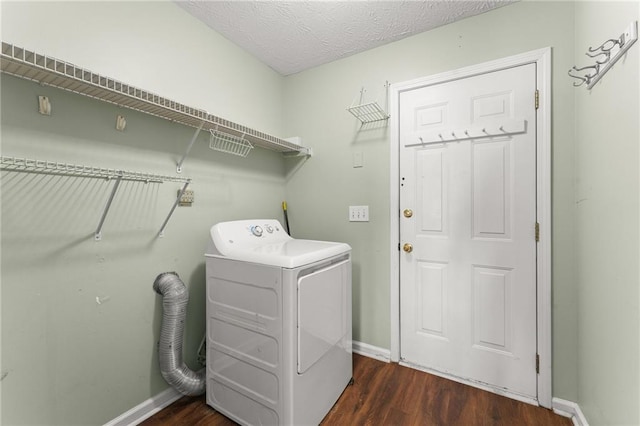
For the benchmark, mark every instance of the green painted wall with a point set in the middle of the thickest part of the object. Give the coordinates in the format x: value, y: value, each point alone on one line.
x: 320, y: 193
x: 607, y: 214
x: 67, y: 358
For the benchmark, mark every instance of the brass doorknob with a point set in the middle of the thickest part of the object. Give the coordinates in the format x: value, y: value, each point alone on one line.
x: 407, y: 247
x: 408, y: 212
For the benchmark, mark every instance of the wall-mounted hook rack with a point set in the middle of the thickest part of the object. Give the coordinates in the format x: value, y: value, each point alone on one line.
x: 368, y: 112
x: 66, y: 169
x: 503, y: 128
x: 605, y: 56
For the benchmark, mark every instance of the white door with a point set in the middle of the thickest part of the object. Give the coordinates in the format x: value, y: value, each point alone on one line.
x: 468, y: 188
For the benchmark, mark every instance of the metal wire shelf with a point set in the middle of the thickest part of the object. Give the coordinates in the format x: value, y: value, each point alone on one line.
x: 368, y: 113
x: 229, y: 144
x: 50, y: 71
x: 28, y: 165
x: 68, y: 169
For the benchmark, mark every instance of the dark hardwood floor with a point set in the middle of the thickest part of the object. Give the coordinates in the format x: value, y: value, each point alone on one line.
x: 389, y: 394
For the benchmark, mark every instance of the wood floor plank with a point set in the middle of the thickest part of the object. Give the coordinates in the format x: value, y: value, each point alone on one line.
x: 386, y: 394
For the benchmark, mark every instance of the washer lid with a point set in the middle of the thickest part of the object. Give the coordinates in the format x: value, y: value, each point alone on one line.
x: 290, y: 254
x: 265, y: 242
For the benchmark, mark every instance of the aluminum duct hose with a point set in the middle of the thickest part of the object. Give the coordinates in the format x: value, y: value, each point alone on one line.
x: 174, y: 309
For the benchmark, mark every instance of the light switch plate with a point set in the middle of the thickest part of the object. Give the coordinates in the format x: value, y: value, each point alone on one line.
x: 357, y: 159
x: 358, y: 213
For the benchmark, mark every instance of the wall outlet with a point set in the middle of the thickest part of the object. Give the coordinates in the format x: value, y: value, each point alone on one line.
x: 187, y: 198
x: 358, y: 213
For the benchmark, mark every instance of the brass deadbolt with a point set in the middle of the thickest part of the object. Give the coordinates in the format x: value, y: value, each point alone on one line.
x: 407, y: 212
x: 407, y: 247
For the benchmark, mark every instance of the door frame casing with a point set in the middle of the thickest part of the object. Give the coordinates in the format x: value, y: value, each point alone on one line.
x: 542, y: 59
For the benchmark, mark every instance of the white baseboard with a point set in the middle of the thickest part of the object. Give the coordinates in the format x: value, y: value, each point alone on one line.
x: 569, y: 409
x: 146, y: 409
x: 371, y: 351
x: 156, y: 403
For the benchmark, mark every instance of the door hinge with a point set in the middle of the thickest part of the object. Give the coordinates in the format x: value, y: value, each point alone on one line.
x: 537, y: 232
x: 398, y: 246
x: 537, y: 99
x: 537, y: 364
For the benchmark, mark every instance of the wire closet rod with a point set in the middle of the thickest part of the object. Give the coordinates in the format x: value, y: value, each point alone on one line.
x: 54, y: 167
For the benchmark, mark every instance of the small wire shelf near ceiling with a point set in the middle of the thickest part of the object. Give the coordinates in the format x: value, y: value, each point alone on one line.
x: 368, y: 113
x: 229, y: 144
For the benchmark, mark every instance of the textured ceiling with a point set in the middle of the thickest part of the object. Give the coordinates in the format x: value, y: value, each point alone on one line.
x: 291, y: 36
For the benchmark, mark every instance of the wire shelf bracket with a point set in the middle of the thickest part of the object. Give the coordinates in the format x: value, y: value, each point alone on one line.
x: 193, y: 139
x: 53, y: 72
x: 173, y: 208
x: 98, y: 233
x: 369, y: 112
x: 28, y: 165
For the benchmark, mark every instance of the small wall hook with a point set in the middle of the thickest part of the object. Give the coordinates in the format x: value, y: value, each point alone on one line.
x: 44, y: 106
x: 121, y: 123
x: 606, y: 53
x: 583, y: 80
x: 614, y: 42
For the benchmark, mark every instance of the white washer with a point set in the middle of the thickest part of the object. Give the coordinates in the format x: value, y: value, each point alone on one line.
x: 278, y: 324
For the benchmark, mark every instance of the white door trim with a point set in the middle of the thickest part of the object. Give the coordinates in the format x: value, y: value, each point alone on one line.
x: 542, y: 59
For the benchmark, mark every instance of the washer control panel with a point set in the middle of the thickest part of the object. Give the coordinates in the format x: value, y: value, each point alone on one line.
x: 247, y: 234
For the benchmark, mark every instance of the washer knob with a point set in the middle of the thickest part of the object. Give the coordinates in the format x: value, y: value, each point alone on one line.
x: 269, y: 228
x: 256, y: 230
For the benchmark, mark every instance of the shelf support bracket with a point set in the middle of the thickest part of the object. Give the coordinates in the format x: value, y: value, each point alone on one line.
x: 175, y: 204
x: 98, y: 234
x: 193, y: 139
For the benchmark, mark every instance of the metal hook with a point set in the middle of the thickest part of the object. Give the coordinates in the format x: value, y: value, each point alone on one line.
x: 588, y: 76
x: 613, y: 41
x: 583, y: 80
x: 595, y: 67
x: 606, y: 53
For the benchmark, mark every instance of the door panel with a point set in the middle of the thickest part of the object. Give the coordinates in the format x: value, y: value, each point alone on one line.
x: 432, y: 295
x: 432, y: 199
x: 468, y: 287
x: 491, y: 186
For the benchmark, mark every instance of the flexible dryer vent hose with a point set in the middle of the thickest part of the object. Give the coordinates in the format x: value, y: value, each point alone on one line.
x: 174, y: 309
